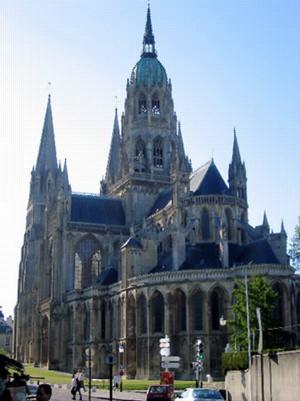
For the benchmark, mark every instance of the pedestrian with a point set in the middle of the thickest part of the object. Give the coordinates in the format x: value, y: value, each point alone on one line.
x: 73, y: 387
x: 80, y: 378
x: 44, y: 392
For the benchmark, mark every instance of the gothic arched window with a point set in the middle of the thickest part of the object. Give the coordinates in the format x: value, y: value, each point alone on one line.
x: 142, y: 314
x: 142, y: 104
x: 197, y: 310
x: 180, y: 302
x: 216, y: 308
x: 205, y: 229
x: 87, y: 262
x: 228, y: 214
x: 140, y: 156
x: 158, y: 155
x: 243, y: 233
x: 157, y: 313
x: 86, y: 323
x: 279, y: 306
x: 155, y: 105
x: 103, y: 320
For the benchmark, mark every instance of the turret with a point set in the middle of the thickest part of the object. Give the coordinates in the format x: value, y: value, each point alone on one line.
x: 237, y: 178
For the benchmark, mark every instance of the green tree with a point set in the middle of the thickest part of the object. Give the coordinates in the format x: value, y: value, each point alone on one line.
x: 294, y: 251
x: 260, y: 294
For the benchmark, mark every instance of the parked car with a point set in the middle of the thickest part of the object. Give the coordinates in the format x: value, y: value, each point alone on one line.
x: 31, y: 392
x: 199, y: 394
x: 162, y: 392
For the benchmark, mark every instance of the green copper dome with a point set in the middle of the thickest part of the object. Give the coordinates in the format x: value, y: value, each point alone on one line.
x: 149, y: 72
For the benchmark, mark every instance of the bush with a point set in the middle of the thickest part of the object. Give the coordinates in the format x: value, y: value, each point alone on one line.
x: 234, y: 361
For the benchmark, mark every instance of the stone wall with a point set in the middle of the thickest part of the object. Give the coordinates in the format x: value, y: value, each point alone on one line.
x: 274, y: 378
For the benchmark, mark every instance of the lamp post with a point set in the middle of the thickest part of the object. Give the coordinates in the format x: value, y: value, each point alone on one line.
x: 121, y: 367
x: 89, y: 354
x: 248, y: 332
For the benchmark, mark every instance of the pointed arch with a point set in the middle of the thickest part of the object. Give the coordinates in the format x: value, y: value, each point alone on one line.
x: 155, y: 104
x: 278, y: 312
x: 196, y: 310
x: 142, y: 314
x: 140, y: 156
x: 131, y: 320
x: 229, y: 221
x: 180, y: 310
x: 87, y: 262
x: 142, y: 103
x: 157, y: 312
x: 205, y: 224
x: 217, y: 302
x: 158, y: 153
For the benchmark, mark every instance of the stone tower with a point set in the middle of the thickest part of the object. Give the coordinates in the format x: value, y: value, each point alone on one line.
x: 150, y: 138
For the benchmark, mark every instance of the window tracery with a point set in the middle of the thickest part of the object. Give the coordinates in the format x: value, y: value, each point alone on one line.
x: 158, y: 153
x: 155, y: 105
x: 142, y: 104
x: 140, y: 156
x: 87, y: 263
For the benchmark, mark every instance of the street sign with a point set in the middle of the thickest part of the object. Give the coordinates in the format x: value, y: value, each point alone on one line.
x: 110, y: 359
x: 164, y: 352
x: 170, y: 365
x: 170, y: 358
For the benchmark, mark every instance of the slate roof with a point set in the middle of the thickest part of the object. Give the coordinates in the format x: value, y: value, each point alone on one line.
x: 97, y: 210
x: 108, y: 276
x: 207, y: 256
x: 207, y: 180
x: 133, y: 243
x: 164, y: 199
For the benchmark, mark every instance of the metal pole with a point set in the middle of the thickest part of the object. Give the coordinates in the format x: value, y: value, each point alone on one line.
x: 248, y: 335
x: 90, y: 372
x: 197, y: 376
x: 110, y: 382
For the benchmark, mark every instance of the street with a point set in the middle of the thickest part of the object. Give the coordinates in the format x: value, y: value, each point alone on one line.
x: 65, y: 394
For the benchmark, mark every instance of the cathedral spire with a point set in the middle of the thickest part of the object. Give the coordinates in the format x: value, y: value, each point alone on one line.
x: 236, y: 157
x: 149, y: 42
x: 112, y: 168
x: 65, y: 176
x: 265, y: 220
x: 47, y: 152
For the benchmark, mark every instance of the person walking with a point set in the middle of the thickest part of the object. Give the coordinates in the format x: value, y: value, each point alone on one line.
x: 75, y: 387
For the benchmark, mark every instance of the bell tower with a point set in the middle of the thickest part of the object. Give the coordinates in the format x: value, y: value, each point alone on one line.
x: 150, y: 136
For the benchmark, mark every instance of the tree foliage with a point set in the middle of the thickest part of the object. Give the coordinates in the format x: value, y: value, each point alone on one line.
x: 261, y: 295
x: 294, y: 251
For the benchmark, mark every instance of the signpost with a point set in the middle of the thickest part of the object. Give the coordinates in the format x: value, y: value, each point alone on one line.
x: 89, y: 352
x: 110, y: 360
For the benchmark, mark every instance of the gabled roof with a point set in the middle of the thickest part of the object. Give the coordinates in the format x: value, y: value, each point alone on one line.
x: 132, y: 242
x: 207, y: 180
x: 108, y: 276
x: 164, y: 199
x: 97, y: 210
x: 256, y: 252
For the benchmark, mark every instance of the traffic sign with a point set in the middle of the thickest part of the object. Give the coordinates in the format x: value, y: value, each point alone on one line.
x: 170, y: 358
x: 170, y: 365
x: 110, y: 359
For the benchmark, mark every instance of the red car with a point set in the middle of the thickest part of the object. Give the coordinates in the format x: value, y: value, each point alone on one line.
x: 162, y: 392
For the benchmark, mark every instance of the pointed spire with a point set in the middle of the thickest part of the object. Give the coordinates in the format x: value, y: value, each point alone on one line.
x: 180, y: 142
x: 47, y: 151
x: 65, y: 176
x: 282, y: 229
x: 265, y: 220
x: 112, y: 168
x: 236, y: 157
x: 149, y: 41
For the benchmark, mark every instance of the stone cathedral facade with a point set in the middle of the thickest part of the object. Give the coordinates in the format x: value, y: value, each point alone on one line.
x: 156, y: 252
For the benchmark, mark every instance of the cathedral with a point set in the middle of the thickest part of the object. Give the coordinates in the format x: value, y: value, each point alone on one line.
x: 155, y: 252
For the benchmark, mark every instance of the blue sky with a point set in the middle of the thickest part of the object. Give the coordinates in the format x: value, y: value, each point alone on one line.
x: 232, y: 63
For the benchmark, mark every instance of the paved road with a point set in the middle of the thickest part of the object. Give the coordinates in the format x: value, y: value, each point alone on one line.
x: 64, y: 395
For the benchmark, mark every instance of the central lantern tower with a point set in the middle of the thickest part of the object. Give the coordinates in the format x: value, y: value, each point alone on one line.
x: 150, y: 150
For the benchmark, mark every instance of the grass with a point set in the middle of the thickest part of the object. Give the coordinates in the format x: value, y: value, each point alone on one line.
x: 54, y: 377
